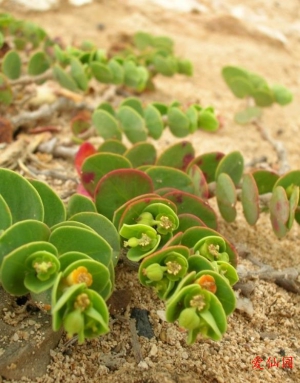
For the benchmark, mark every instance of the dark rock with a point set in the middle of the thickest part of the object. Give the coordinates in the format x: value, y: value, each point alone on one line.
x: 25, y: 340
x: 143, y: 325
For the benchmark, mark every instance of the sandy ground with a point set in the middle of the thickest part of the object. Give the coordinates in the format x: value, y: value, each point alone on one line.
x: 265, y: 38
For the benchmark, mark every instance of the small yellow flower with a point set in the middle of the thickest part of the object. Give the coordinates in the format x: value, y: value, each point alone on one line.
x: 80, y: 275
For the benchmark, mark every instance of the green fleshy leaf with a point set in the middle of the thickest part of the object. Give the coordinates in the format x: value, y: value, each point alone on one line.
x: 67, y: 239
x: 107, y: 107
x: 79, y: 203
x: 126, y: 184
x: 241, y: 87
x: 208, y: 163
x: 98, y: 165
x: 207, y: 121
x: 54, y: 209
x: 177, y: 156
x: 142, y: 40
x: 233, y: 165
x: 112, y: 146
x: 192, y: 115
x: 42, y: 270
x: 200, y: 184
x: 69, y: 257
x: 131, y: 74
x: 13, y: 269
x: 199, y: 263
x: 11, y: 65
x: 224, y: 291
x: 178, y: 122
x: 165, y: 65
x: 6, y: 95
x: 186, y: 221
x: 214, y: 324
x: 102, y: 72
x: 5, y: 215
x: 1, y: 40
x: 132, y: 124
x: 162, y: 108
x: 99, y: 273
x: 195, y: 234
x: 142, y: 153
x: 21, y: 233
x: 279, y: 211
x: 106, y: 125
x: 61, y: 56
x: 130, y: 211
x: 32, y: 209
x: 153, y: 122
x: 293, y: 201
x: 117, y: 72
x: 288, y: 179
x: 78, y: 74
x: 163, y: 176
x: 185, y: 67
x: 102, y: 226
x: 38, y: 63
x: 263, y: 97
x: 188, y: 203
x: 163, y: 42
x: 250, y: 199
x: 248, y: 115
x: 134, y: 103
x: 282, y: 95
x: 265, y: 180
x: 226, y: 197
x: 64, y: 79
x: 231, y: 72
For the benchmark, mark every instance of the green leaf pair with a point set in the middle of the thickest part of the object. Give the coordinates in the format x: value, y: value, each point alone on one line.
x: 138, y: 122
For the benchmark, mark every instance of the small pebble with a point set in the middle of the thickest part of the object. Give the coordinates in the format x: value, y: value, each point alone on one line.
x: 143, y: 365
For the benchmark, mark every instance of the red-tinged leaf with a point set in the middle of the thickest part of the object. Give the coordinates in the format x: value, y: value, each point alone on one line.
x: 250, y: 199
x: 289, y: 179
x: 81, y: 122
x: 233, y: 165
x: 194, y: 234
x: 112, y: 146
x: 293, y: 201
x: 140, y: 154
x: 163, y: 191
x: 191, y: 204
x: 201, y: 187
x: 99, y: 164
x: 81, y: 190
x: 226, y: 197
x: 134, y: 209
x: 208, y: 163
x: 85, y: 150
x: 279, y: 211
x: 164, y: 176
x: 118, y: 187
x: 265, y: 180
x: 173, y: 241
x: 187, y: 220
x: 177, y: 156
x: 119, y: 212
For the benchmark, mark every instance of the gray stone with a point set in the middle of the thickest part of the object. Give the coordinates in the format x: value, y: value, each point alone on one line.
x: 26, y: 338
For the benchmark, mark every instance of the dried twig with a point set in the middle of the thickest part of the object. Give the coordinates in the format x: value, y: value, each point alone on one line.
x: 135, y: 341
x: 286, y: 278
x: 24, y: 80
x: 278, y: 147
